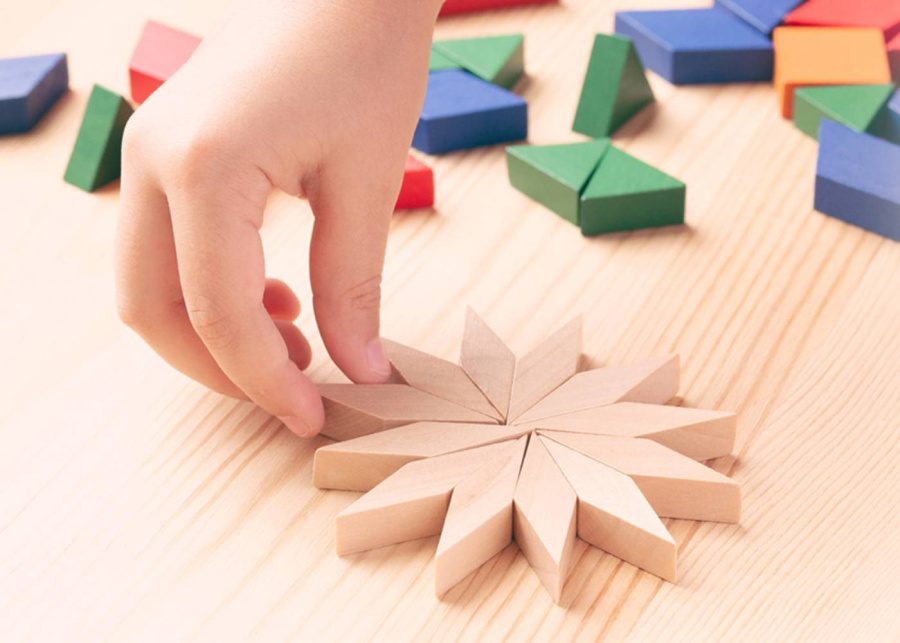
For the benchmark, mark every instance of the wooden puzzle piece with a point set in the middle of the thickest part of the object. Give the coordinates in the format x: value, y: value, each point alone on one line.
x: 439, y: 377
x: 826, y: 56
x: 881, y: 14
x: 417, y: 188
x: 614, y: 88
x: 479, y: 519
x: 362, y: 463
x: 29, y: 87
x: 453, y: 7
x: 353, y: 410
x: 886, y: 124
x: 855, y: 106
x: 544, y: 518
x: 497, y: 59
x: 488, y: 361
x: 764, y: 15
x: 545, y: 368
x: 438, y: 61
x: 97, y: 155
x: 673, y: 484
x: 693, y: 46
x: 462, y: 111
x: 653, y: 381
x: 613, y: 514
x: 856, y: 179
x: 161, y: 50
x: 413, y: 502
x: 696, y: 433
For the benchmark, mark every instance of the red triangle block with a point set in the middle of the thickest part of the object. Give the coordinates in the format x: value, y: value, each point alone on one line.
x: 881, y: 14
x: 160, y: 52
x: 417, y: 189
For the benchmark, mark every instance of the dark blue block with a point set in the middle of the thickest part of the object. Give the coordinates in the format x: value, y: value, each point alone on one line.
x: 764, y: 15
x: 886, y: 123
x: 858, y: 179
x: 28, y: 88
x: 694, y: 46
x: 462, y: 111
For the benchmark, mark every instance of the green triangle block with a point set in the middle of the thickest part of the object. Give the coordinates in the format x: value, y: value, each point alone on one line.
x: 627, y: 194
x: 855, y: 106
x: 554, y: 175
x: 438, y: 61
x: 97, y: 156
x: 496, y: 59
x: 615, y: 87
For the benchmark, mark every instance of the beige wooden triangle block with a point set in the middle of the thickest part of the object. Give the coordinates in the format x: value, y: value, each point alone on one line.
x: 479, y: 520
x: 439, y: 377
x: 361, y: 463
x: 543, y: 369
x: 654, y: 381
x: 673, y: 484
x: 411, y: 503
x: 352, y: 410
x: 697, y: 433
x: 613, y: 514
x: 488, y: 361
x: 544, y: 515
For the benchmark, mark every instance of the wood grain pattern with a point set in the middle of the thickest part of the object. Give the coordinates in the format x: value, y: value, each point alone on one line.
x: 488, y: 361
x: 134, y: 504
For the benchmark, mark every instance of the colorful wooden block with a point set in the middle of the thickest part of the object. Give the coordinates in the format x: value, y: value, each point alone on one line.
x: 496, y: 59
x: 693, y: 46
x: 438, y: 61
x: 97, y: 155
x: 161, y: 50
x: 763, y: 15
x: 462, y: 112
x: 881, y: 14
x: 453, y: 7
x: 614, y: 89
x: 29, y: 86
x: 893, y: 52
x: 855, y: 106
x: 857, y: 179
x: 826, y: 56
x: 417, y: 189
x: 886, y: 124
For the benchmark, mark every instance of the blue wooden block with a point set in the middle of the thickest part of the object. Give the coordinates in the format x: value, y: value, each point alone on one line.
x: 857, y: 179
x: 28, y: 88
x: 462, y: 111
x: 764, y: 15
x: 694, y: 46
x: 886, y: 123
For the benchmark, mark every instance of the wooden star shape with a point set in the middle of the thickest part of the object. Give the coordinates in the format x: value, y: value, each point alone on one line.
x: 533, y: 449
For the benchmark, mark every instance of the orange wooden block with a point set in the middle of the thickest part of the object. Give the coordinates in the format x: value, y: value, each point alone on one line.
x: 826, y: 56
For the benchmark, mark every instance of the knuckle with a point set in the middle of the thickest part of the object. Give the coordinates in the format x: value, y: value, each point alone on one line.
x: 364, y: 295
x: 212, y: 322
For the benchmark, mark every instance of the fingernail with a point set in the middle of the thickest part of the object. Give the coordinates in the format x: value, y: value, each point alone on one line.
x: 297, y: 425
x: 378, y: 361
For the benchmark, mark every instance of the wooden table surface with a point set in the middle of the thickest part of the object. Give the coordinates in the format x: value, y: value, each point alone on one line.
x: 136, y: 505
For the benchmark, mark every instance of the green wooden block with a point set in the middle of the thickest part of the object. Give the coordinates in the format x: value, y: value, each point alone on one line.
x: 855, y: 106
x: 627, y: 194
x: 496, y: 59
x: 97, y: 156
x: 615, y: 87
x: 555, y: 175
x: 438, y: 61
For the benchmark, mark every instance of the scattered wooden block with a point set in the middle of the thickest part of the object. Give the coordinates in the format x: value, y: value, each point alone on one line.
x: 614, y: 89
x: 613, y: 514
x: 826, y: 56
x: 462, y: 112
x: 764, y: 15
x: 694, y: 46
x: 893, y: 52
x: 161, y: 50
x: 453, y: 7
x: 497, y: 59
x: 479, y: 519
x: 417, y: 189
x: 625, y: 193
x: 855, y: 106
x: 881, y: 14
x: 29, y: 87
x: 438, y: 61
x: 886, y: 124
x: 97, y: 155
x: 544, y: 515
x: 857, y: 179
x: 488, y: 361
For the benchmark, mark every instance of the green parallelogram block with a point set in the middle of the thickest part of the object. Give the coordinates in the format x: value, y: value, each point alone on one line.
x: 855, y: 106
x: 555, y: 175
x: 496, y: 59
x: 615, y: 87
x: 97, y: 156
x: 438, y: 61
x: 627, y: 194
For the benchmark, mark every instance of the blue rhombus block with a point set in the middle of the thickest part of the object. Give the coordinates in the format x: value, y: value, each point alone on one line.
x: 29, y: 86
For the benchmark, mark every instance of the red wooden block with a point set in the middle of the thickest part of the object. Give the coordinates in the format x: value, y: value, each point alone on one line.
x: 160, y: 51
x: 417, y: 190
x: 468, y: 6
x: 881, y: 14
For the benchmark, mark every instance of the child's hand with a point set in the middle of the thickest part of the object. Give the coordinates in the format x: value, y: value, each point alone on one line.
x: 318, y: 98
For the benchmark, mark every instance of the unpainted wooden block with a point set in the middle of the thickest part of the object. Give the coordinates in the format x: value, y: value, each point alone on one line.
x: 488, y: 361
x: 29, y: 87
x: 497, y: 59
x: 160, y: 52
x: 855, y: 106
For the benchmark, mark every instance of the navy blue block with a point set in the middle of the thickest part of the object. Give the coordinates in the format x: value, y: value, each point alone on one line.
x: 886, y: 123
x: 28, y: 88
x: 462, y: 111
x: 763, y: 15
x: 858, y: 179
x: 696, y: 46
